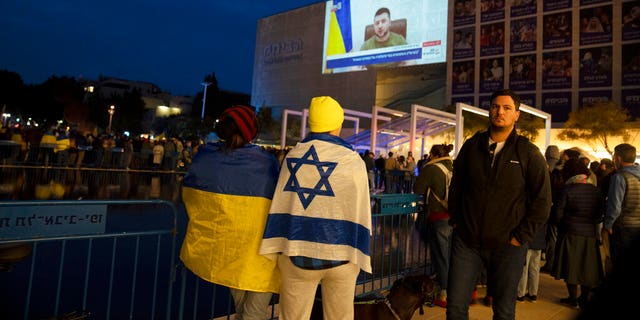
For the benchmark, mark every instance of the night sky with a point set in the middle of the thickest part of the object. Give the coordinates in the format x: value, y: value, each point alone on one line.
x: 173, y: 44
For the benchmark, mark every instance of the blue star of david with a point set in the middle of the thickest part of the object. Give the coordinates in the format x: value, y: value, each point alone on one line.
x: 322, y: 188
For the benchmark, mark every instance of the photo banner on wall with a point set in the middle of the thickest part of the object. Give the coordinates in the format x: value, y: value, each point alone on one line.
x: 630, y: 20
x: 595, y: 25
x: 464, y: 12
x: 464, y: 43
x: 491, y: 74
x: 492, y: 39
x: 523, y: 35
x: 491, y: 10
x: 462, y: 77
x: 557, y: 30
x: 631, y: 64
x: 558, y: 104
x: 553, y: 5
x: 591, y: 97
x: 595, y: 67
x: 631, y: 101
x: 523, y: 72
x: 556, y: 69
x: 528, y: 99
x: 523, y: 8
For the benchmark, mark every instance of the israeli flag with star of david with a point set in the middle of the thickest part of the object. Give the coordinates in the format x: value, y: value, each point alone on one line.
x: 321, y: 206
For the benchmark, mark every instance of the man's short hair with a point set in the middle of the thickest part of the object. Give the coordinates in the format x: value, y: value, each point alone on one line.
x: 381, y: 11
x: 510, y: 93
x: 626, y: 152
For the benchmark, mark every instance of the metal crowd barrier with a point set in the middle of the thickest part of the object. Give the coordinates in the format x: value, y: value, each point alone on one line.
x: 87, y: 259
x: 396, y: 246
x: 119, y: 259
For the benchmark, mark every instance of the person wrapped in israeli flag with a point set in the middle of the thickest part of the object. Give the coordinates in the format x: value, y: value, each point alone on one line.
x: 319, y: 223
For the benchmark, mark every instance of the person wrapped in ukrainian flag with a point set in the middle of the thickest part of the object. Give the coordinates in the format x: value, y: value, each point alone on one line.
x: 227, y: 193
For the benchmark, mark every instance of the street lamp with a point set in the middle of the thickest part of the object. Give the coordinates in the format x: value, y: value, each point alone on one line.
x: 204, y: 98
x: 112, y: 110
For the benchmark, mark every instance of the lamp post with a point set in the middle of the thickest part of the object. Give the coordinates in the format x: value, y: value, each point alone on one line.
x: 112, y: 110
x: 204, y: 98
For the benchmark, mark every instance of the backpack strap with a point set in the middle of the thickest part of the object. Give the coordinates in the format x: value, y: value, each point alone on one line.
x: 447, y: 174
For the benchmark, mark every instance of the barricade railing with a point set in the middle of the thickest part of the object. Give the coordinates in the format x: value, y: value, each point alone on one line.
x: 87, y: 259
x: 397, y: 248
x: 118, y: 259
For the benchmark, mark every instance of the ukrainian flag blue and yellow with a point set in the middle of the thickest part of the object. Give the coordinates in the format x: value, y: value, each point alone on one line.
x: 227, y: 195
x: 340, y: 39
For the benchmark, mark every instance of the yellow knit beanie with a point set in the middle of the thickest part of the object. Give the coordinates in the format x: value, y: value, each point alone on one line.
x: 325, y: 114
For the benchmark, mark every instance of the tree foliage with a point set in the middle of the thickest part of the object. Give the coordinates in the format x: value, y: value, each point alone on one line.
x: 529, y: 125
x: 597, y: 123
x: 11, y: 90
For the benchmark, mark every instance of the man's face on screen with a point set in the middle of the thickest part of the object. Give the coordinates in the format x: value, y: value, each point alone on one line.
x: 381, y: 25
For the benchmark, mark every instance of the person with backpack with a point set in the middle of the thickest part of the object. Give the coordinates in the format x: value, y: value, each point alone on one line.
x: 433, y: 183
x: 500, y: 196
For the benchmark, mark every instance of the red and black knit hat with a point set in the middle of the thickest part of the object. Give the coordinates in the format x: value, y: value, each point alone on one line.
x: 244, y: 118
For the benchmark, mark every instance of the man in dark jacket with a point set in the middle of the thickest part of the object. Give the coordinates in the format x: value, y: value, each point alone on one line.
x: 500, y: 196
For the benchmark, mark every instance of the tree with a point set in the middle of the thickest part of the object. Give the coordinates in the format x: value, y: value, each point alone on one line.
x: 597, y: 122
x: 529, y: 125
x: 268, y: 129
x: 46, y: 102
x: 130, y: 110
x: 11, y: 90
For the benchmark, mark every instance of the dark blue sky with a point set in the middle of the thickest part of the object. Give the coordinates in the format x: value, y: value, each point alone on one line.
x: 173, y: 44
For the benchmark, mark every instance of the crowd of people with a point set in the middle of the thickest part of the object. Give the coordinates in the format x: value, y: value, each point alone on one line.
x: 70, y: 148
x: 498, y: 214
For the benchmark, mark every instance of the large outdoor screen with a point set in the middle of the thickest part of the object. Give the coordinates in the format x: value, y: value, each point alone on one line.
x: 366, y: 34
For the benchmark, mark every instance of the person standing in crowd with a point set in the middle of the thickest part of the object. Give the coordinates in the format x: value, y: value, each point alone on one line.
x: 557, y: 183
x: 423, y: 161
x: 552, y: 155
x: 370, y: 165
x: 432, y: 183
x: 500, y: 196
x: 390, y: 179
x: 319, y: 224
x: 169, y: 155
x: 622, y: 215
x: 227, y: 215
x: 410, y: 175
x: 528, y: 286
x: 158, y: 154
x: 577, y: 212
x: 380, y: 172
x: 604, y: 173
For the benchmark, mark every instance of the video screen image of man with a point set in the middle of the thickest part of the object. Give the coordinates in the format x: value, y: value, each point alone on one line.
x: 384, y: 37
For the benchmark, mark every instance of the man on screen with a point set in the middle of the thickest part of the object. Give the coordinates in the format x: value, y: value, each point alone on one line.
x: 383, y: 37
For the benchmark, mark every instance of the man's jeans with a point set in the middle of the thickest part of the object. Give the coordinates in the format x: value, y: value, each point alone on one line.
x: 504, y: 269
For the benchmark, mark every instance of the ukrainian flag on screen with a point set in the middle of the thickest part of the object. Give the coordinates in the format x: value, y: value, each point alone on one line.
x: 340, y: 40
x: 227, y: 196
